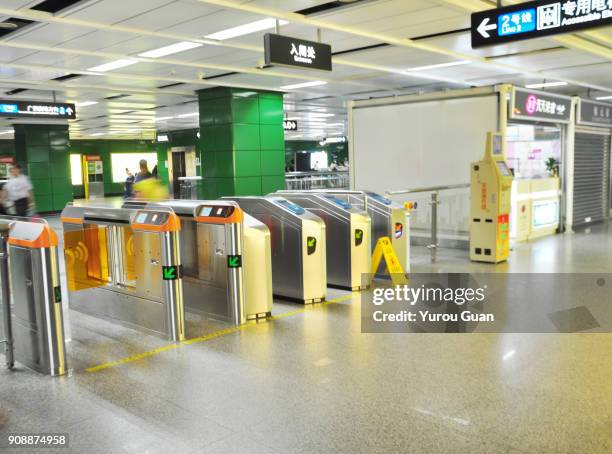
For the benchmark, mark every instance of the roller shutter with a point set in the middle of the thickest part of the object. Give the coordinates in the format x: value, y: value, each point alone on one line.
x: 591, y: 178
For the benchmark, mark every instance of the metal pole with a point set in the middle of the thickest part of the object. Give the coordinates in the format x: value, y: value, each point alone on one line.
x: 434, y: 225
x: 6, y: 298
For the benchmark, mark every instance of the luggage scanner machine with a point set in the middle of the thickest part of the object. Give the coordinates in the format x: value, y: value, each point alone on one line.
x: 298, y: 247
x: 212, y: 231
x: 348, y: 233
x: 389, y: 219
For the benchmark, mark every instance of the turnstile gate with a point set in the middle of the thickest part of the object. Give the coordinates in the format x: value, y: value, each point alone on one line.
x: 35, y: 302
x: 389, y: 219
x: 348, y: 232
x: 298, y: 247
x: 124, y: 265
x: 226, y: 260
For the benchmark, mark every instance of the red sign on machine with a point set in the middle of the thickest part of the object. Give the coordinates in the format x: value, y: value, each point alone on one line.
x: 7, y: 160
x: 399, y: 230
x: 93, y: 157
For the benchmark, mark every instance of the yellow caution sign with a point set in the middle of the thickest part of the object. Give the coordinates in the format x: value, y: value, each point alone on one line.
x: 384, y: 248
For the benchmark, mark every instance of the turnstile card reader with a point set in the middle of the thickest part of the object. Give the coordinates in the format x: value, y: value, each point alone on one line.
x: 124, y: 265
x: 226, y: 260
x: 389, y: 219
x: 298, y: 247
x: 348, y: 237
x: 491, y: 183
x: 36, y: 315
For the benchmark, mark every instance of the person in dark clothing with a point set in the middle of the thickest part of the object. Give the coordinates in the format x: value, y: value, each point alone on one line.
x: 144, y: 171
x: 129, y: 184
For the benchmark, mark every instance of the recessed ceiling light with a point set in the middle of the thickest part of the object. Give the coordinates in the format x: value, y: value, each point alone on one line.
x: 246, y: 29
x: 163, y: 119
x: 547, y: 84
x: 192, y: 114
x: 8, y: 131
x: 113, y: 65
x: 314, y: 83
x: 440, y: 65
x: 97, y: 134
x: 86, y: 103
x: 603, y: 98
x: 171, y: 49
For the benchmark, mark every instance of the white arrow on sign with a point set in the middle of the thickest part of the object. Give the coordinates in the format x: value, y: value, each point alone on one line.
x: 484, y: 28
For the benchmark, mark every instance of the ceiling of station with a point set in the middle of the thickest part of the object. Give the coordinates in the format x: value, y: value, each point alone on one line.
x: 380, y: 47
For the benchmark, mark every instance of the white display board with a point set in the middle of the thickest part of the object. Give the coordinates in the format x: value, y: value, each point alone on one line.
x: 432, y: 143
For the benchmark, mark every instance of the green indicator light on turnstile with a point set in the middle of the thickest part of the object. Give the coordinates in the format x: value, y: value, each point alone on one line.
x: 358, y: 237
x: 58, y: 294
x: 170, y: 273
x: 234, y: 261
x: 311, y: 245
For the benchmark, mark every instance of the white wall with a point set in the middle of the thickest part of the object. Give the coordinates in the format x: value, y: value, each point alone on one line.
x: 431, y: 143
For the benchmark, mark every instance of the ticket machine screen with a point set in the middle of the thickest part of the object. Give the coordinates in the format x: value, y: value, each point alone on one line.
x: 503, y: 168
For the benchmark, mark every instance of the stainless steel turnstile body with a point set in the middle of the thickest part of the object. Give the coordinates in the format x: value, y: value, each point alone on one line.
x: 35, y: 303
x: 298, y: 247
x: 389, y: 219
x: 215, y: 284
x: 348, y: 232
x: 124, y: 265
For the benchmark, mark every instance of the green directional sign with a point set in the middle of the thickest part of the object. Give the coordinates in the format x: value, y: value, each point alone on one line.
x: 171, y: 272
x: 234, y: 261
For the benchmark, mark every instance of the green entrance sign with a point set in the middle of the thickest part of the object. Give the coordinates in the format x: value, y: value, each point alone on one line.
x: 234, y: 261
x: 57, y: 291
x: 171, y: 273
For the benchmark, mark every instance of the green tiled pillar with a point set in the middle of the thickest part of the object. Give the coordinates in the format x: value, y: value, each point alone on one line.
x: 43, y: 152
x: 241, y: 141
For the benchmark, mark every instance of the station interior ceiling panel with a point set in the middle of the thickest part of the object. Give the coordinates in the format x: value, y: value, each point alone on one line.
x: 380, y: 47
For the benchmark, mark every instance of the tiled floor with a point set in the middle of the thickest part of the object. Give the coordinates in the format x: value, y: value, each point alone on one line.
x: 312, y: 382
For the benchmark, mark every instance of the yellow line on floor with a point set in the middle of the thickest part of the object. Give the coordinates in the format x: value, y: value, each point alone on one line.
x: 213, y: 335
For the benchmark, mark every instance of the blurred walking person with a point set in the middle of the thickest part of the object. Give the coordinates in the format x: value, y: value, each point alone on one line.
x: 18, y: 190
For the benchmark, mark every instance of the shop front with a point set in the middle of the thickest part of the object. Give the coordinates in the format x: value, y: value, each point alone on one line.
x: 535, y: 139
x: 590, y: 200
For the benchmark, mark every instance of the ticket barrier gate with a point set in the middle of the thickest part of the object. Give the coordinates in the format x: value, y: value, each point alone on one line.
x: 298, y: 247
x: 348, y: 237
x: 227, y: 270
x: 124, y: 265
x: 31, y: 304
x: 389, y: 219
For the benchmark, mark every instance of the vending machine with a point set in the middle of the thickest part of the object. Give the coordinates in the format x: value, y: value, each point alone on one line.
x: 491, y: 185
x: 93, y: 176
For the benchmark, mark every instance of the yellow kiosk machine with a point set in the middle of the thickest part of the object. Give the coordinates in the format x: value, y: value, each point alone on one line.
x: 491, y: 184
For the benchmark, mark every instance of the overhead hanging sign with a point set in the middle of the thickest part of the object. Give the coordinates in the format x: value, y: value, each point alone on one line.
x: 290, y: 125
x: 34, y: 109
x: 593, y: 113
x: 539, y: 106
x: 294, y: 52
x: 537, y: 19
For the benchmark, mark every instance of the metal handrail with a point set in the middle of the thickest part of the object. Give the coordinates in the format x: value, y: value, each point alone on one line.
x: 429, y: 189
x: 315, y: 172
x: 434, y: 202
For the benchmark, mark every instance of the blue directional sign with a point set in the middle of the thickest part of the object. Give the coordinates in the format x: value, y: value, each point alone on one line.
x: 36, y: 109
x: 537, y: 19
